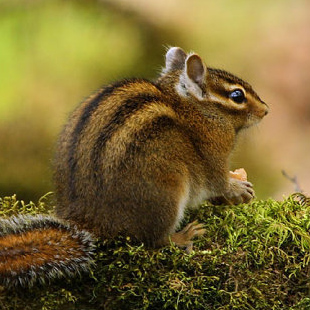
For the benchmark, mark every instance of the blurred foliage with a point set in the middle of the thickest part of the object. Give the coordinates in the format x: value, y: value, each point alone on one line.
x: 53, y: 53
x: 253, y: 256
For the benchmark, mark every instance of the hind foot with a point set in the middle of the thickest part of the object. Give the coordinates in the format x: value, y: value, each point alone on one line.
x: 184, y: 238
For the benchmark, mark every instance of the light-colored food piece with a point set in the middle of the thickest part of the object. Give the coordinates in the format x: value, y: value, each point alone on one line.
x: 239, y: 174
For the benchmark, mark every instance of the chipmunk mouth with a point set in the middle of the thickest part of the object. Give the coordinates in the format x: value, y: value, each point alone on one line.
x: 264, y: 112
x: 256, y: 115
x: 254, y: 119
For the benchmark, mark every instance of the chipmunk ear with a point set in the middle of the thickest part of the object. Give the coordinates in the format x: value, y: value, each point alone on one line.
x: 175, y: 59
x: 192, y: 80
x: 195, y: 69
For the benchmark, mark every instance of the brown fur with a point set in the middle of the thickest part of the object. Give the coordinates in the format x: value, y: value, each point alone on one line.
x: 136, y: 153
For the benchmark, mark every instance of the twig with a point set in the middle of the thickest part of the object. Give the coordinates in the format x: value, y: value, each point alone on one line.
x: 294, y: 181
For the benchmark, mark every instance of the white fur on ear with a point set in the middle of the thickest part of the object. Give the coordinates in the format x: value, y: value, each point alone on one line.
x: 175, y: 59
x: 193, y: 77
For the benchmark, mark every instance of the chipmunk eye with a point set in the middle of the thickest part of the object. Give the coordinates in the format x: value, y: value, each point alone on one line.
x: 237, y: 96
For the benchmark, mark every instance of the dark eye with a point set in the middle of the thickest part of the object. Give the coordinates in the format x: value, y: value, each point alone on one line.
x: 237, y: 95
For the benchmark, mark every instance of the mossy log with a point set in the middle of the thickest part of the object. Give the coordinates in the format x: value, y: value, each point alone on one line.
x: 253, y: 256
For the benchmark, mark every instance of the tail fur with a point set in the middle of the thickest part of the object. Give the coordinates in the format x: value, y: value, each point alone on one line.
x: 41, y: 248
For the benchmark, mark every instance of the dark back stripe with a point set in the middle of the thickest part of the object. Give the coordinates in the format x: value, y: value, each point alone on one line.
x: 154, y: 129
x: 130, y: 106
x: 149, y: 132
x: 83, y: 121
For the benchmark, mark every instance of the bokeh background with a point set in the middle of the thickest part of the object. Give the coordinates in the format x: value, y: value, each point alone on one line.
x: 55, y: 53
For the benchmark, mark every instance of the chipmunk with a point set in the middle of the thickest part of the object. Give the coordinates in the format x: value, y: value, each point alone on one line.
x: 136, y: 154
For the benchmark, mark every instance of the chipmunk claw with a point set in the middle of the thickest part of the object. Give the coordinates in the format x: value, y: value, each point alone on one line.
x: 239, y: 192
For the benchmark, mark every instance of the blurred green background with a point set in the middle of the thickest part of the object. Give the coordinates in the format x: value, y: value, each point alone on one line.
x: 55, y: 53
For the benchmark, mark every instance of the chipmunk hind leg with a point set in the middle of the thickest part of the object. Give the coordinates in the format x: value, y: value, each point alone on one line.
x: 183, y: 238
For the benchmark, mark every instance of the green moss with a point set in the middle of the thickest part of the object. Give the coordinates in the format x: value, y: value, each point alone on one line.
x: 253, y: 256
x: 11, y: 206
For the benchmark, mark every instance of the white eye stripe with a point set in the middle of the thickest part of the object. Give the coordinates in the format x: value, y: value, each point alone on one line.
x: 213, y: 97
x: 224, y: 101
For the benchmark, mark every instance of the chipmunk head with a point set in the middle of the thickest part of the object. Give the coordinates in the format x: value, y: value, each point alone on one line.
x: 219, y: 88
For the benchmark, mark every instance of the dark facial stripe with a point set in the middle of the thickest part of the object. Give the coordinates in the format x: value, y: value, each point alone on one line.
x: 228, y: 77
x: 232, y: 79
x: 130, y: 106
x: 83, y: 121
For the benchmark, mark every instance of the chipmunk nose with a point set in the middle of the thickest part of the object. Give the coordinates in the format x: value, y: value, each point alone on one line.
x: 266, y: 108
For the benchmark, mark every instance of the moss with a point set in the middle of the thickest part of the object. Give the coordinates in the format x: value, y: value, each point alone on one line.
x: 11, y: 206
x: 253, y: 256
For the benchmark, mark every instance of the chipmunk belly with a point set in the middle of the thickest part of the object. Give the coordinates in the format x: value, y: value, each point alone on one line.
x: 199, y: 197
x: 184, y: 201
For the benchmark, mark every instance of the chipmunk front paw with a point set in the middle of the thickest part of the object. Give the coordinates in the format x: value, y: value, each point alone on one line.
x: 239, y: 192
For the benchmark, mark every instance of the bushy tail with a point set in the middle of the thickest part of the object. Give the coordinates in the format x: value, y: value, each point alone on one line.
x: 41, y: 248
